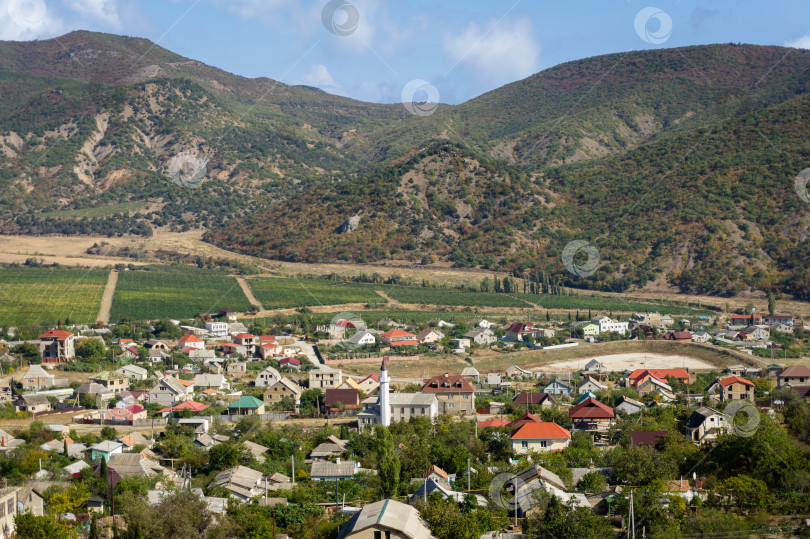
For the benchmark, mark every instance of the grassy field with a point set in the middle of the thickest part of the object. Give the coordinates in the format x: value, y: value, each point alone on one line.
x: 98, y: 211
x: 43, y: 296
x: 282, y: 293
x: 440, y: 296
x: 174, y: 293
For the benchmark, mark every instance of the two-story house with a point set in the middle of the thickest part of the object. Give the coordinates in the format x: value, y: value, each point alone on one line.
x: 168, y: 392
x: 248, y: 341
x: 732, y: 388
x: 325, y: 377
x: 57, y: 347
x: 455, y: 394
x: 794, y: 375
x: 706, y: 424
x: 114, y: 381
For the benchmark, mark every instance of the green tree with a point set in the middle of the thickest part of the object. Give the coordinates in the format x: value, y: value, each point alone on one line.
x: 89, y: 348
x: 29, y: 526
x: 557, y: 520
x: 222, y: 457
x: 388, y: 465
x: 771, y: 303
x: 592, y: 482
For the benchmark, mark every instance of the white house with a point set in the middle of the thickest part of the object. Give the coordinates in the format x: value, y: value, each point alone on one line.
x: 481, y: 336
x: 363, y: 338
x: 268, y: 377
x: 540, y: 437
x: 217, y: 330
x: 608, y: 325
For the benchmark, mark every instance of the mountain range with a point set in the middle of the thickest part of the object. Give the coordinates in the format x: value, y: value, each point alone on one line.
x: 677, y: 165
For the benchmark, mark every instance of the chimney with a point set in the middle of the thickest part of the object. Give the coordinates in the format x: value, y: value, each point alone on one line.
x: 337, y: 460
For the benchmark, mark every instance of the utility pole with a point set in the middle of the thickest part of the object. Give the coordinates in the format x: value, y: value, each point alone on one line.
x: 632, y: 517
x: 293, y: 468
x: 516, y: 501
x: 468, y: 474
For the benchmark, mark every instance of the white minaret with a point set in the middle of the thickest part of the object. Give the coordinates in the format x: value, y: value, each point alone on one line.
x: 384, y: 396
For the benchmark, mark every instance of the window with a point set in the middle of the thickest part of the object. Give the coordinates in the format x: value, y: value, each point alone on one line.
x: 543, y: 443
x: 377, y: 534
x: 10, y: 507
x: 450, y: 405
x: 524, y: 444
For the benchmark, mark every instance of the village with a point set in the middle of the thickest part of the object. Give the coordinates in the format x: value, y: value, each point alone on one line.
x: 206, y: 411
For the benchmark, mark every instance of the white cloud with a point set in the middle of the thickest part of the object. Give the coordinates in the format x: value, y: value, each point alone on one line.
x: 319, y: 77
x: 801, y: 43
x: 502, y: 52
x: 104, y: 11
x: 250, y: 9
x: 27, y: 19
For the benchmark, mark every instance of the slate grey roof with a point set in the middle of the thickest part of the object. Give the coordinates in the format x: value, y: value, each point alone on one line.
x: 346, y: 468
x: 389, y: 515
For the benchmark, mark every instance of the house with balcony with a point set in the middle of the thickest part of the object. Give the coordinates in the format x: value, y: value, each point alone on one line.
x: 57, y: 347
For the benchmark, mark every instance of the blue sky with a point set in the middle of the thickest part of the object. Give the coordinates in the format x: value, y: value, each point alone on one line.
x: 463, y: 48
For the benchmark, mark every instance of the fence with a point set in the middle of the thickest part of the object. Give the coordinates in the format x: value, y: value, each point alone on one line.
x: 370, y: 359
x: 263, y: 417
x: 60, y: 411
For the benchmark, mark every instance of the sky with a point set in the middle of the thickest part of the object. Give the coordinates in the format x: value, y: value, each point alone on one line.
x: 379, y: 51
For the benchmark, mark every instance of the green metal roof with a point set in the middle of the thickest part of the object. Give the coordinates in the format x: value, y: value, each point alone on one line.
x: 246, y: 401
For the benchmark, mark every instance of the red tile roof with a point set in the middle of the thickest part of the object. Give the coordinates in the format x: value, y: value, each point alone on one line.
x: 522, y: 420
x: 591, y: 408
x: 189, y: 337
x: 185, y: 405
x: 492, y: 423
x: 397, y: 333
x: 732, y: 379
x: 187, y: 383
x: 244, y: 336
x: 58, y: 334
x: 435, y: 469
x: 404, y: 343
x: 658, y: 373
x: 135, y: 408
x: 267, y: 338
x: 521, y: 327
x: 448, y: 383
x: 289, y: 360
x: 540, y: 431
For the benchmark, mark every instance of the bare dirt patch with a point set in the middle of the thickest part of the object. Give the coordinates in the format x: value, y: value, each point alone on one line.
x: 621, y: 362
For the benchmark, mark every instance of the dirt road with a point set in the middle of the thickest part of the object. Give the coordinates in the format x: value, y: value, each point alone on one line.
x: 107, y: 298
x: 249, y: 293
